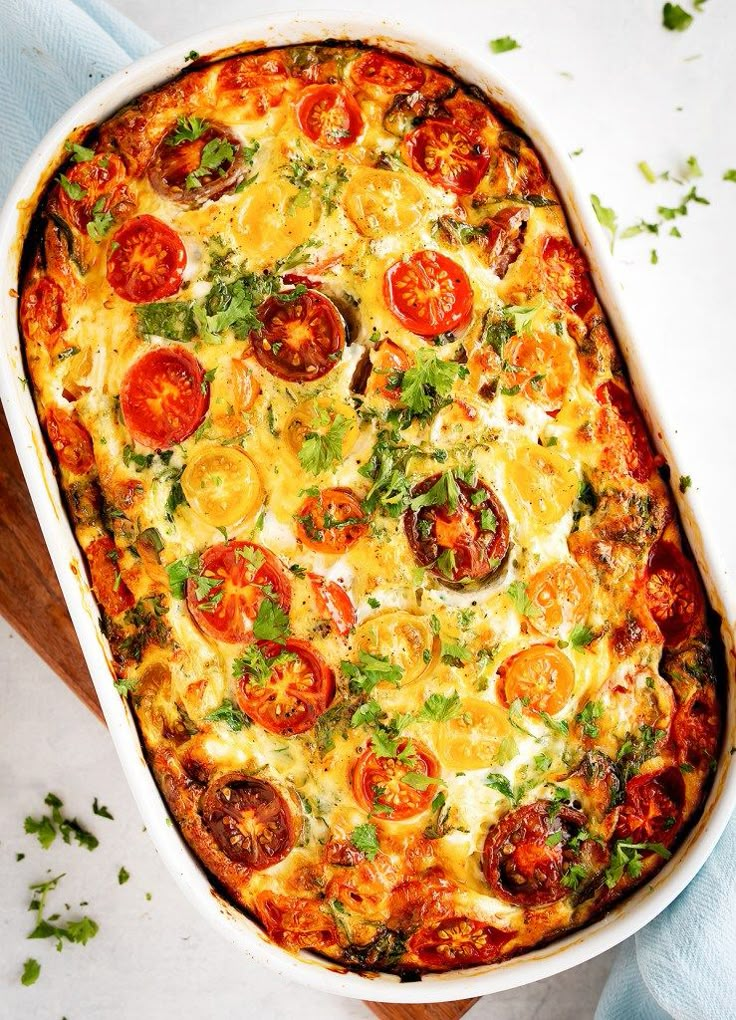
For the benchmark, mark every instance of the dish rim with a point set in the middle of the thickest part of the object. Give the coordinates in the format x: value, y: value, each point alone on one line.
x: 151, y: 71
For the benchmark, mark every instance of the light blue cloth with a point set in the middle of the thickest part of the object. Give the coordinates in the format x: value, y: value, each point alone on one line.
x: 682, y: 965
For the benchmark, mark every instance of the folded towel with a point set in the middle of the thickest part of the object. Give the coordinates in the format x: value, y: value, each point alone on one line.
x: 683, y: 964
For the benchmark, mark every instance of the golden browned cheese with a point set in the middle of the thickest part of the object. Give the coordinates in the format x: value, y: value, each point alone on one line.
x: 383, y: 552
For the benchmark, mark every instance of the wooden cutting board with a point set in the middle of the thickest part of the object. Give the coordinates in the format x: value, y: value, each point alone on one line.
x: 32, y: 603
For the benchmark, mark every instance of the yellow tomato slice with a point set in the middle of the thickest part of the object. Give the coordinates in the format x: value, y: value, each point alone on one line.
x: 275, y: 218
x: 222, y: 485
x: 472, y: 740
x: 560, y: 594
x: 319, y: 416
x: 542, y: 484
x: 405, y: 639
x: 541, y: 676
x: 381, y: 202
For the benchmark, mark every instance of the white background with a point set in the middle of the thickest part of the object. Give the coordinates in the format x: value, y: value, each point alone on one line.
x: 631, y: 91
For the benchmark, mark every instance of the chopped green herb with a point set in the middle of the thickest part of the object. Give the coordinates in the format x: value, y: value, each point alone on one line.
x: 440, y: 708
x: 365, y: 839
x: 75, y: 191
x: 517, y: 592
x: 101, y: 810
x: 580, y: 636
x: 504, y: 44
x: 271, y: 622
x: 626, y: 858
x: 430, y: 380
x: 227, y: 712
x: 80, y: 153
x: 321, y: 451
x: 685, y: 483
x: 31, y: 970
x: 123, y: 876
x: 675, y: 18
x: 606, y: 217
x: 369, y: 671
x: 188, y: 129
x: 588, y: 717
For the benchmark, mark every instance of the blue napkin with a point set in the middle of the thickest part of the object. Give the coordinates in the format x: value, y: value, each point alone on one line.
x: 683, y: 964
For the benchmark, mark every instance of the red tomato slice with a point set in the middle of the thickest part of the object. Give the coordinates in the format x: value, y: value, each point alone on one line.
x: 639, y: 457
x: 255, y: 83
x: 164, y: 397
x: 296, y: 923
x: 99, y: 177
x: 458, y: 942
x: 652, y: 810
x: 673, y: 593
x: 696, y: 726
x: 112, y: 592
x: 332, y: 521
x: 246, y: 574
x: 42, y: 315
x: 70, y: 439
x: 520, y: 862
x: 567, y: 273
x: 299, y: 688
x: 329, y: 116
x: 301, y: 339
x: 378, y: 783
x: 175, y: 170
x: 429, y: 293
x: 389, y: 74
x: 443, y: 153
x: 249, y: 820
x: 146, y: 261
x: 462, y: 544
x: 333, y: 602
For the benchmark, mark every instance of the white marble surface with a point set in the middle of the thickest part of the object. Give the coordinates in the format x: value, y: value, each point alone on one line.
x: 625, y: 78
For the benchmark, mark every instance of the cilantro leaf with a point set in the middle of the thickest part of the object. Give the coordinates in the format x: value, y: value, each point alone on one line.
x: 31, y: 970
x: 675, y: 18
x: 580, y: 636
x: 729, y: 175
x: 440, y: 708
x: 430, y: 378
x: 101, y: 810
x: 500, y: 784
x: 227, y: 712
x: 504, y: 44
x: 588, y: 716
x: 173, y: 320
x: 188, y: 129
x: 574, y: 876
x: 80, y: 153
x: 271, y: 622
x: 685, y: 483
x: 517, y: 592
x: 369, y: 671
x: 42, y: 828
x: 102, y: 220
x: 123, y: 876
x: 75, y: 191
x: 321, y: 451
x: 419, y: 781
x: 626, y: 859
x: 365, y: 839
x: 366, y: 714
x: 606, y: 217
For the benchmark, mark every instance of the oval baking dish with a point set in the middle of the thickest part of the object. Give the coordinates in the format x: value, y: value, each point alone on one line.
x: 624, y: 917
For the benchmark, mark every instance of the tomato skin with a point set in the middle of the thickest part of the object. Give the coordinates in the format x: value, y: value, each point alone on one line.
x: 378, y: 71
x: 230, y: 617
x: 458, y: 942
x: 249, y: 820
x: 339, y: 505
x: 164, y: 397
x: 112, y: 592
x: 652, y: 809
x: 424, y: 898
x: 333, y: 602
x: 42, y: 312
x: 171, y: 165
x: 400, y: 801
x: 561, y: 595
x: 541, y: 365
x: 541, y: 674
x: 505, y: 234
x: 300, y: 340
x: 433, y: 530
x: 295, y: 923
x: 292, y: 698
x: 696, y: 726
x: 255, y: 83
x: 329, y: 116
x: 673, y: 593
x: 429, y: 293
x: 71, y: 441
x: 639, y: 458
x: 443, y: 152
x: 568, y: 274
x: 146, y: 262
x: 388, y: 361
x: 102, y: 176
x: 519, y: 864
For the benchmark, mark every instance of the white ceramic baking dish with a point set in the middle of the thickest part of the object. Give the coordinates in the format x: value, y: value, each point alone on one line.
x: 282, y: 29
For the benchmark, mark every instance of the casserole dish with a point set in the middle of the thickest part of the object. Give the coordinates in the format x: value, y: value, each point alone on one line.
x: 309, y: 31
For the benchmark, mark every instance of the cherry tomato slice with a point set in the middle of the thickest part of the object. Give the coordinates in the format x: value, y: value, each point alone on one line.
x: 462, y: 541
x: 146, y: 261
x: 70, y: 439
x: 429, y: 293
x: 458, y: 942
x: 254, y: 83
x: 639, y: 458
x: 520, y: 862
x: 300, y: 339
x: 112, y: 592
x: 42, y: 314
x: 299, y: 688
x: 379, y: 787
x: 332, y: 521
x: 444, y: 153
x: 425, y: 898
x: 388, y: 361
x: 541, y: 366
x: 296, y: 923
x: 333, y: 603
x: 673, y: 593
x: 329, y: 116
x: 541, y: 675
x: 386, y: 74
x: 505, y: 233
x: 567, y: 273
x: 696, y: 726
x: 561, y: 598
x: 249, y: 820
x: 164, y: 397
x: 176, y: 170
x: 234, y: 579
x: 652, y: 810
x: 100, y: 178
